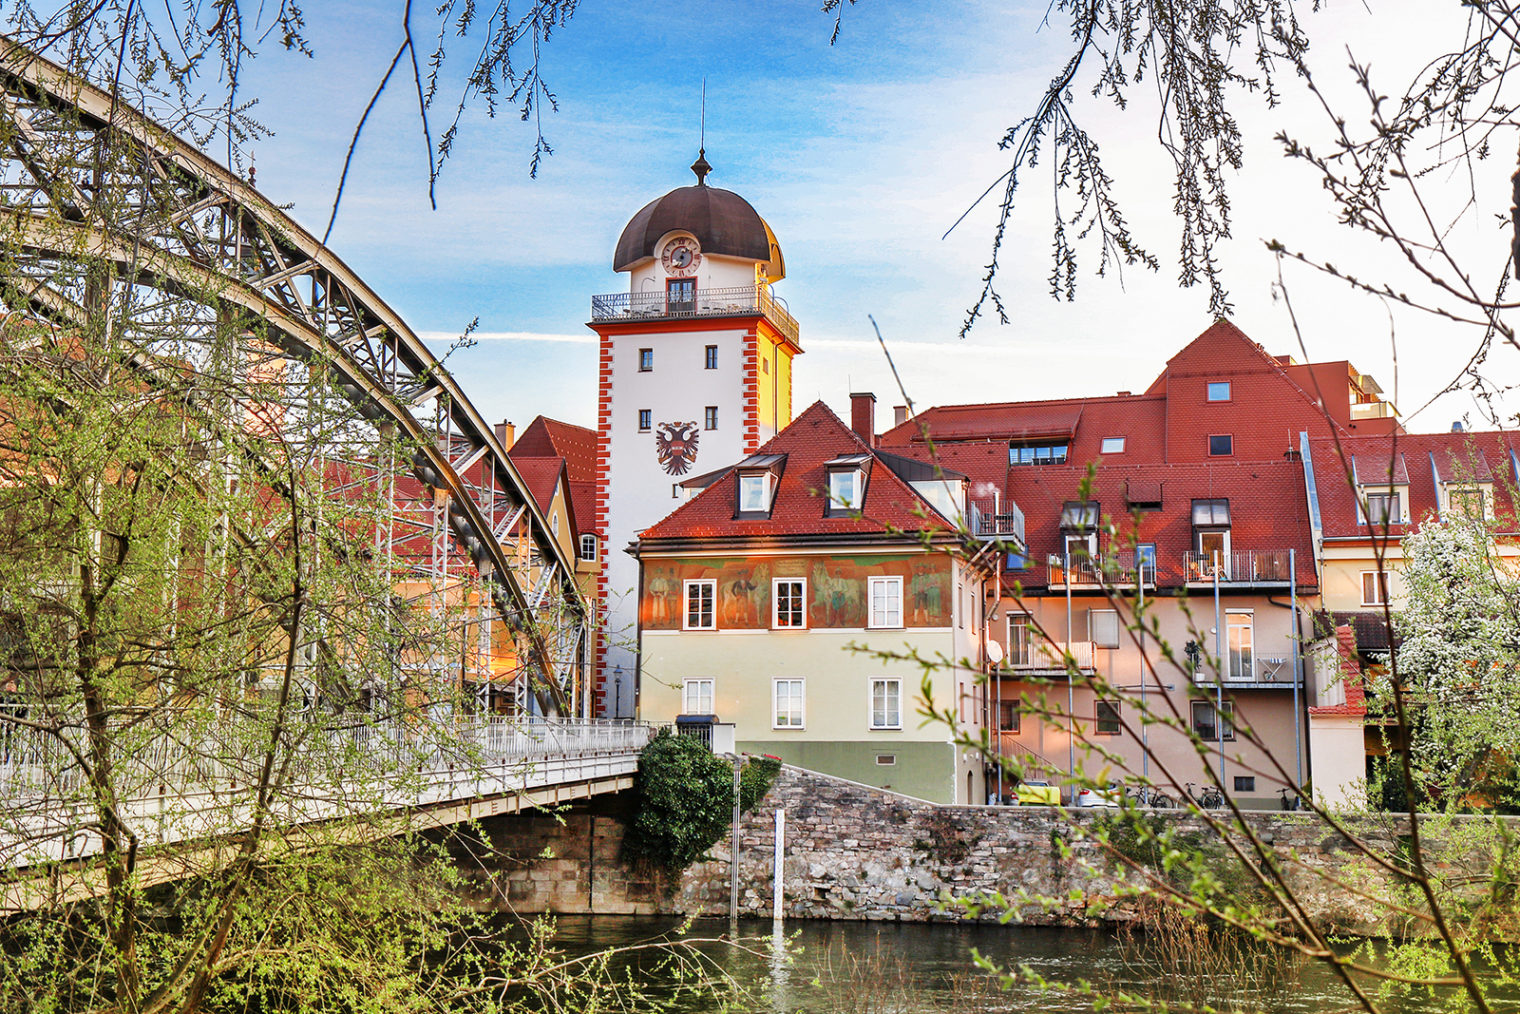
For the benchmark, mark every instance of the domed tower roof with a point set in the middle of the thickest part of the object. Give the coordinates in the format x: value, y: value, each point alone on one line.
x: 721, y: 220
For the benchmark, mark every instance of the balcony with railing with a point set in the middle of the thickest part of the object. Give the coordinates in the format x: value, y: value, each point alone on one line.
x: 995, y: 518
x: 1049, y: 658
x: 1238, y: 567
x: 1248, y: 669
x: 1116, y: 570
x: 735, y: 301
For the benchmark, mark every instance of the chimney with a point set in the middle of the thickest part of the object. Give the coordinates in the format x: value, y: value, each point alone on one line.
x: 863, y: 417
x: 506, y: 434
x: 899, y: 414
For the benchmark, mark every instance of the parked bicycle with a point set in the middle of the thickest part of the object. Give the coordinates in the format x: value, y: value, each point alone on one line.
x: 1293, y: 801
x: 1209, y: 797
x: 1149, y: 795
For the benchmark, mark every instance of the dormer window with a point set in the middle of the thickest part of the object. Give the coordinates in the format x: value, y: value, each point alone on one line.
x: 1079, y: 528
x: 847, y: 483
x: 759, y: 475
x: 1464, y: 500
x: 845, y: 488
x: 754, y: 493
x: 1382, y: 507
x: 1211, y: 539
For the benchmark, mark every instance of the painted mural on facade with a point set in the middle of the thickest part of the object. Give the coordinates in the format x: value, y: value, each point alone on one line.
x: 837, y: 593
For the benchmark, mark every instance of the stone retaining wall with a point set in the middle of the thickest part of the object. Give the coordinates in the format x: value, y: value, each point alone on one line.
x: 857, y: 852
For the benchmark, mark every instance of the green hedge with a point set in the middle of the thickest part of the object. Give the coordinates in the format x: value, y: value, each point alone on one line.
x: 685, y: 800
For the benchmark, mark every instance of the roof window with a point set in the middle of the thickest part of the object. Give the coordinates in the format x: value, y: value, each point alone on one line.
x: 1112, y: 445
x: 1219, y: 390
x: 758, y: 477
x: 847, y: 483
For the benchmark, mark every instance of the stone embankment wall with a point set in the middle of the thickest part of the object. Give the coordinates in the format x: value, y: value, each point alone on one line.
x: 856, y: 852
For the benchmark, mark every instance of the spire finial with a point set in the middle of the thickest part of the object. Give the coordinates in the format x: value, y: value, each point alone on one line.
x: 701, y: 166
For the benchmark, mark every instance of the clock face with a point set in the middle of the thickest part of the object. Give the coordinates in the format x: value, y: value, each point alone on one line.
x: 681, y: 256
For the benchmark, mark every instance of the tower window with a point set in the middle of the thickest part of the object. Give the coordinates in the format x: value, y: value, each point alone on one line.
x: 710, y: 417
x: 711, y: 360
x: 681, y: 295
x: 646, y: 360
x: 643, y: 420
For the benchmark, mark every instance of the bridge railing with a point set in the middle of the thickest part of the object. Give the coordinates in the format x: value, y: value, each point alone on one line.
x: 37, y: 764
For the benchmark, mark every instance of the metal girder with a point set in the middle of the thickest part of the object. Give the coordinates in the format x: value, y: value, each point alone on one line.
x: 200, y: 233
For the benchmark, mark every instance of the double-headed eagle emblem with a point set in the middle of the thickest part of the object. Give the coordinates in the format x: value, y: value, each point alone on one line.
x: 676, y: 444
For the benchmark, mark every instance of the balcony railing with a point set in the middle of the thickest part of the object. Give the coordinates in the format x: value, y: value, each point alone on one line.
x: 996, y: 519
x: 1373, y: 410
x: 1239, y: 566
x: 1050, y: 656
x: 729, y: 302
x: 1252, y: 667
x: 1115, y: 571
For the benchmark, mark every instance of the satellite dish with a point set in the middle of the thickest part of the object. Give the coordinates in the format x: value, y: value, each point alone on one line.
x: 994, y: 651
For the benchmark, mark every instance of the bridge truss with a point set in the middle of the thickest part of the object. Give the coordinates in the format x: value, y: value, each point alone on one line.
x: 185, y: 240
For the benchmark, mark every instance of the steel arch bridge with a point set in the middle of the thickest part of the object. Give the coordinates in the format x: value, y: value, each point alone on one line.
x: 191, y: 231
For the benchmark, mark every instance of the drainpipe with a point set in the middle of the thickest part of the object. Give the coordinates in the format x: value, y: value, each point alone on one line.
x: 1223, y: 665
x: 1071, y: 699
x: 1298, y: 718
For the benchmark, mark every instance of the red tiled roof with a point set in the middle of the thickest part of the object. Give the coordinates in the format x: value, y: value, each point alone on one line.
x: 541, y: 476
x: 1477, y: 457
x: 1267, y: 509
x: 550, y: 438
x: 798, y: 508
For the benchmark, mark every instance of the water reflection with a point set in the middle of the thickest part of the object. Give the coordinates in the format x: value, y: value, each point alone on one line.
x: 910, y: 968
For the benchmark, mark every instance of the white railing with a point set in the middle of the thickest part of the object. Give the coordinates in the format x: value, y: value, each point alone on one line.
x: 1049, y: 655
x: 721, y: 302
x: 173, y: 789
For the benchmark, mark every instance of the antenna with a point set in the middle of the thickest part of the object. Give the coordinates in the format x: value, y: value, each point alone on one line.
x: 700, y: 166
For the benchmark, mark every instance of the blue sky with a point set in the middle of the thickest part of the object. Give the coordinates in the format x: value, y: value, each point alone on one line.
x: 860, y: 156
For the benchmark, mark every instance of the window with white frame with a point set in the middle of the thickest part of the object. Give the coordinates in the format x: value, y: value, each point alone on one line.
x: 755, y: 492
x: 697, y: 697
x: 1112, y: 445
x: 1240, y: 644
x: 847, y: 489
x: 1018, y: 640
x: 1219, y: 390
x: 886, y: 601
x: 789, y: 603
x: 1103, y: 627
x: 588, y: 548
x: 701, y: 598
x: 1465, y: 501
x: 1374, y: 587
x: 886, y: 703
x: 788, y: 700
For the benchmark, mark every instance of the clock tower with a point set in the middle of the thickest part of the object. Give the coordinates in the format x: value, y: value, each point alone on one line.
x: 695, y: 373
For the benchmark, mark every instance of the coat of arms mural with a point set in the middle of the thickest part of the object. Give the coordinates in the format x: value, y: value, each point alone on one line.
x: 676, y: 444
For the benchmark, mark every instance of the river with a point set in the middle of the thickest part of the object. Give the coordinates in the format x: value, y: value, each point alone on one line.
x: 915, y: 968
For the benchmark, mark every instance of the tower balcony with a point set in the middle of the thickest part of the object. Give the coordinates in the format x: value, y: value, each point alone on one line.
x: 737, y: 301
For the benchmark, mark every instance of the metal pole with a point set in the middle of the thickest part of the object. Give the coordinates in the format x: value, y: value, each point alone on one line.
x: 1298, y: 752
x: 776, y: 889
x: 1222, y: 665
x: 1071, y: 694
x: 1145, y: 726
x: 733, y: 851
